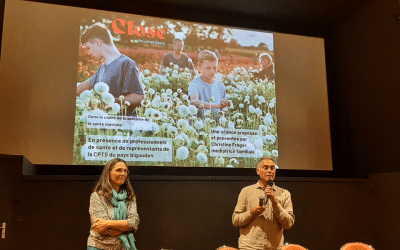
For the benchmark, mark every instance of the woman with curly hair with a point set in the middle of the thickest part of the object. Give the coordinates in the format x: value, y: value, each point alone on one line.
x: 112, y: 209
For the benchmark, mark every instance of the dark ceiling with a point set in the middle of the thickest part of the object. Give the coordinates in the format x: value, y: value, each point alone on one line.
x: 301, y: 17
x: 323, y: 12
x: 313, y: 12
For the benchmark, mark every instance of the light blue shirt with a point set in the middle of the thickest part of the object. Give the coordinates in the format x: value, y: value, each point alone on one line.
x: 206, y: 90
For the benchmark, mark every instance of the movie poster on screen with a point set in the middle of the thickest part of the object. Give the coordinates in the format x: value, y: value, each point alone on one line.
x: 167, y: 128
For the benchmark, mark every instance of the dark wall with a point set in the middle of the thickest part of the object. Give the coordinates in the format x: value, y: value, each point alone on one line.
x: 9, y: 166
x: 193, y: 214
x: 385, y: 204
x: 363, y: 64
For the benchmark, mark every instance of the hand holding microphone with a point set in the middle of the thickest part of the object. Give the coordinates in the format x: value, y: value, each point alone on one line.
x: 269, y: 191
x: 257, y: 210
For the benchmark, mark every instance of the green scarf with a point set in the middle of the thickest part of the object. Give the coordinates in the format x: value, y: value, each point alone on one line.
x: 121, y: 213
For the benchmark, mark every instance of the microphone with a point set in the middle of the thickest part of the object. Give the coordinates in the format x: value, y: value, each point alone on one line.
x: 270, y: 183
x: 261, y: 201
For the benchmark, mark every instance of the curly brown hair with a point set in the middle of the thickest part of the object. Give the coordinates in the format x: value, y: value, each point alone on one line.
x: 103, y: 186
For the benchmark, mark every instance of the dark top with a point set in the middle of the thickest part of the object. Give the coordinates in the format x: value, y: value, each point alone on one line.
x: 122, y: 76
x: 265, y: 73
x: 183, y: 62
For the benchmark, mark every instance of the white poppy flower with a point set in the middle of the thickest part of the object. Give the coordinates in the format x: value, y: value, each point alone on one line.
x: 172, y: 130
x: 192, y: 109
x: 219, y: 161
x: 179, y: 140
x: 268, y: 121
x: 156, y: 115
x: 101, y: 88
x: 148, y: 112
x: 198, y: 125
x: 252, y: 109
x: 202, y: 148
x: 183, y: 111
x: 165, y: 106
x: 156, y: 103
x: 183, y: 124
x: 108, y: 98
x: 86, y: 95
x: 202, y: 158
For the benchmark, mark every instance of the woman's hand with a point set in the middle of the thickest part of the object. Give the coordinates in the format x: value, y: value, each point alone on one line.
x: 115, y: 232
x: 100, y: 226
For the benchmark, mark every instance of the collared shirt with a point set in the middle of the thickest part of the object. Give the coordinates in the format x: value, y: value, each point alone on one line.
x: 264, y: 232
x: 99, y: 208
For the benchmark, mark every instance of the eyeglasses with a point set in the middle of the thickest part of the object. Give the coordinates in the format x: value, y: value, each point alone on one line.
x: 121, y: 171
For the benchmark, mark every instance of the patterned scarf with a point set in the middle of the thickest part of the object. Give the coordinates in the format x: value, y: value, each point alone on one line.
x: 121, y: 213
